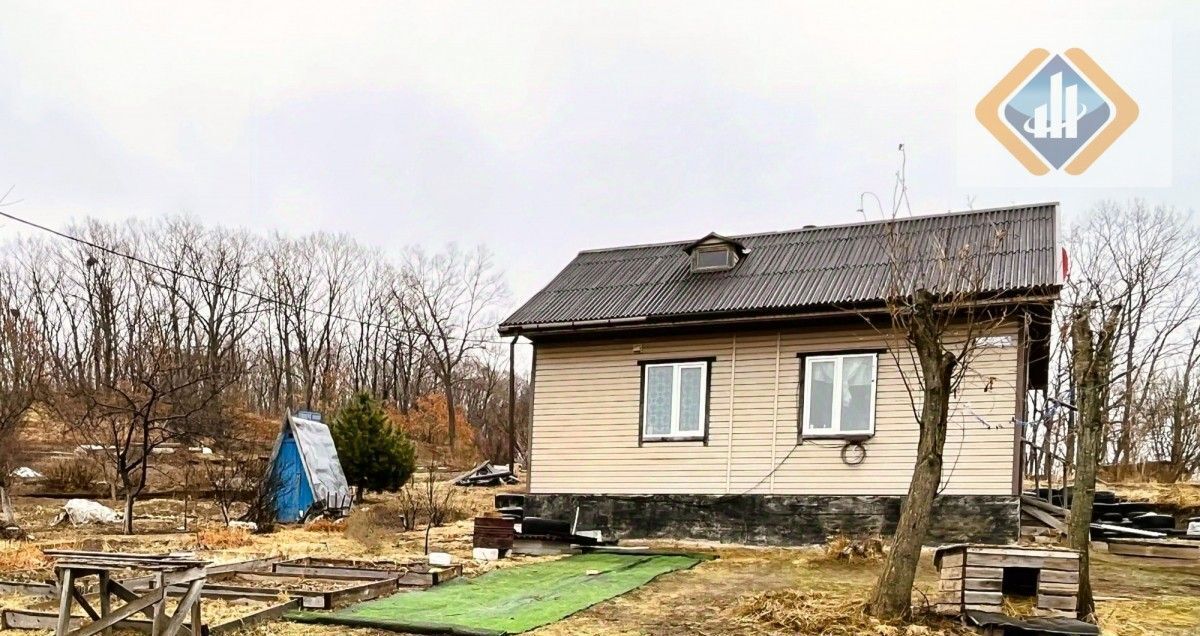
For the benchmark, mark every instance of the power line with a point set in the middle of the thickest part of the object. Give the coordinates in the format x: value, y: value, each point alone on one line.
x: 255, y: 295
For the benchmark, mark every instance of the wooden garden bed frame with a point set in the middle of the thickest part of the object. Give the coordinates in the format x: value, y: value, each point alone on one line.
x: 362, y: 580
x: 31, y: 619
x: 410, y: 574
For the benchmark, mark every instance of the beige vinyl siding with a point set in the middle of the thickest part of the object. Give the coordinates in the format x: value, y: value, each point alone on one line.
x: 586, y: 418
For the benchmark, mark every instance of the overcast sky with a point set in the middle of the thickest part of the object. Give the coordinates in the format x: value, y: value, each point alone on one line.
x: 538, y: 129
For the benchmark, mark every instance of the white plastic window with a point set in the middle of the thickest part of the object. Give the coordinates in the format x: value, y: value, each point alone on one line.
x: 676, y: 395
x: 839, y: 394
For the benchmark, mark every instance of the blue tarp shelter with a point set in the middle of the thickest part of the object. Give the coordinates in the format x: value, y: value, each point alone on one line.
x: 306, y: 465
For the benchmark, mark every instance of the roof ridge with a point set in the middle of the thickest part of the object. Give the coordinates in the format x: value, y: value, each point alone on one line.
x: 918, y: 217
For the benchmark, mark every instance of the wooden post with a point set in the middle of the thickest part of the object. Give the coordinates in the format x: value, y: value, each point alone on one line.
x: 105, y: 598
x: 66, y: 580
x: 512, y: 399
x: 160, y: 609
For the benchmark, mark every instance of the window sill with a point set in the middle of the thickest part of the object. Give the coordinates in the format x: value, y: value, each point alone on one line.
x: 680, y: 438
x: 849, y: 437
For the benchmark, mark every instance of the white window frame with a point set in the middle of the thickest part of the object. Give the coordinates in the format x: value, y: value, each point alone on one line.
x: 676, y: 385
x: 836, y: 419
x: 729, y: 258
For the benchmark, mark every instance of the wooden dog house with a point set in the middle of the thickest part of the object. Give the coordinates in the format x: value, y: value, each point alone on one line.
x: 981, y: 577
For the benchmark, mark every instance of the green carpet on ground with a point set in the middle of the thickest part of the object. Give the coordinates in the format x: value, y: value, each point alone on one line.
x: 510, y: 600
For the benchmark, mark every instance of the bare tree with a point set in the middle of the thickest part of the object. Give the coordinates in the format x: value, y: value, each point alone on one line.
x: 1146, y: 260
x: 169, y: 331
x: 454, y: 295
x: 937, y: 311
x: 22, y: 361
x: 939, y: 302
x: 1092, y: 369
x: 137, y: 389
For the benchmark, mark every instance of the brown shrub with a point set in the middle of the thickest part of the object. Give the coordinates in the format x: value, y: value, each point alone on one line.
x: 841, y: 547
x: 223, y: 537
x: 21, y: 556
x: 76, y: 475
x: 370, y: 524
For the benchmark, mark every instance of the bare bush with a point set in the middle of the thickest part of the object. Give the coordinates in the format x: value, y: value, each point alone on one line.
x: 74, y: 475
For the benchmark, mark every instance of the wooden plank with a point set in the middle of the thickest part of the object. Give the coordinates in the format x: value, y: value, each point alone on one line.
x: 1054, y: 601
x: 950, y: 585
x: 249, y: 565
x: 1045, y: 518
x: 269, y: 577
x: 105, y: 597
x: 188, y: 607
x: 1059, y: 576
x: 952, y: 560
x: 984, y: 585
x: 66, y: 588
x: 1034, y: 502
x: 1058, y: 588
x: 1001, y: 561
x: 983, y: 573
x: 83, y: 602
x: 125, y: 611
x: 951, y: 573
x: 1025, y: 552
x: 364, y: 592
x: 982, y: 598
x: 328, y: 572
x: 260, y: 616
x: 31, y: 619
x: 210, y: 591
x: 184, y: 576
x: 442, y: 574
x: 1159, y: 550
x: 27, y: 589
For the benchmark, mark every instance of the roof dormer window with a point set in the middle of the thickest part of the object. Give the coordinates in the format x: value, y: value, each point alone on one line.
x: 712, y: 257
x: 715, y: 253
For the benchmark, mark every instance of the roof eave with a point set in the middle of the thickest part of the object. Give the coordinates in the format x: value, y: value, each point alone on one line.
x: 1047, y: 294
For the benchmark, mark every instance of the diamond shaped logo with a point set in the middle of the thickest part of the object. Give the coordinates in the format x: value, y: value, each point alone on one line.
x: 1057, y: 112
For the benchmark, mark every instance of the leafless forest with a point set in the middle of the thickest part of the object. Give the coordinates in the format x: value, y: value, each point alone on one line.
x: 141, y: 334
x: 1135, y: 266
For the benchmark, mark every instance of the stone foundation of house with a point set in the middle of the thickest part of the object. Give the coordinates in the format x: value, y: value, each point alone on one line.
x: 777, y: 519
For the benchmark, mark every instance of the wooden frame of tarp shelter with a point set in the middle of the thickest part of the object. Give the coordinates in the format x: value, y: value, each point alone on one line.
x: 72, y: 566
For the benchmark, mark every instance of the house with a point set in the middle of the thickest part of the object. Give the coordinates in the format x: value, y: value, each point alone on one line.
x: 686, y: 389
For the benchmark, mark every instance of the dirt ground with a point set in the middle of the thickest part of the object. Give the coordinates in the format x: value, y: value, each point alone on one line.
x: 1136, y: 597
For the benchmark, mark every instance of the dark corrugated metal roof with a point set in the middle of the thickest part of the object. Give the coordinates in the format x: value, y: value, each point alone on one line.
x: 800, y: 269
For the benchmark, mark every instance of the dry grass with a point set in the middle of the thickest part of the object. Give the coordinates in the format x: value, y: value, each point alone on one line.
x: 843, y: 548
x: 1162, y: 616
x: 814, y: 613
x: 223, y: 537
x: 326, y: 525
x: 1179, y: 496
x: 1020, y: 607
x: 21, y: 556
